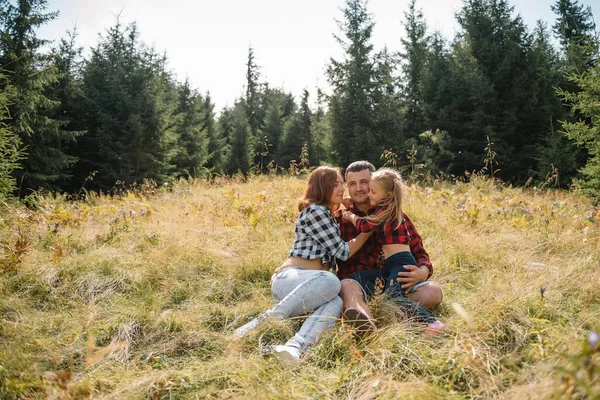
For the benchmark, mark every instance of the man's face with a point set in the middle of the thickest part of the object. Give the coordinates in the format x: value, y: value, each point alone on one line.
x: 358, y: 186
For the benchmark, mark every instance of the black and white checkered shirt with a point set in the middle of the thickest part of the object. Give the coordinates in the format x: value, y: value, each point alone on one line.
x: 318, y: 236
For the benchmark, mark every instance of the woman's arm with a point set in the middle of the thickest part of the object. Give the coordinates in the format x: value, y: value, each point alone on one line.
x: 318, y: 225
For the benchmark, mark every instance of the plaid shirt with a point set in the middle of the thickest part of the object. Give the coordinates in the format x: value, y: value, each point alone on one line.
x: 369, y: 256
x: 318, y: 236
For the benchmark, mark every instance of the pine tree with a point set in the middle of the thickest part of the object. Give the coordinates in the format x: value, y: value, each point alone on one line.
x: 68, y: 92
x: 575, y: 30
x: 254, y: 104
x: 351, y: 104
x: 388, y: 108
x: 215, y: 141
x: 501, y: 45
x: 235, y: 125
x: 277, y: 113
x: 191, y: 152
x: 554, y: 151
x: 10, y: 153
x: 320, y: 129
x: 305, y: 128
x: 130, y: 101
x: 413, y: 57
x: 585, y: 131
x: 32, y: 112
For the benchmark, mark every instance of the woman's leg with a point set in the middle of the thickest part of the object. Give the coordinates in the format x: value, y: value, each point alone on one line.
x: 321, y: 320
x: 298, y: 291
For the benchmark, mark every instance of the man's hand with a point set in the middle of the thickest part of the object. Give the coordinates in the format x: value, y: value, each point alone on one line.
x: 413, y: 276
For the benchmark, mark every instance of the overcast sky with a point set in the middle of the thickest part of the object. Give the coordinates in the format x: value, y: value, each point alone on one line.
x: 207, y: 41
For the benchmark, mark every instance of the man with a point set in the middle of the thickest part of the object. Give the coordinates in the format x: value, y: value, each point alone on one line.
x: 420, y: 290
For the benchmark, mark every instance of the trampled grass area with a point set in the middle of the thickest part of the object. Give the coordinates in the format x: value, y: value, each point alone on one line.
x: 137, y: 296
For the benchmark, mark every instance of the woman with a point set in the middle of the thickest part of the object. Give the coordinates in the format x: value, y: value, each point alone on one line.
x: 302, y: 283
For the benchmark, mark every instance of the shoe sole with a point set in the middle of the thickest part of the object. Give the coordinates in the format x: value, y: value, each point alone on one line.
x: 358, y: 321
x: 286, y: 358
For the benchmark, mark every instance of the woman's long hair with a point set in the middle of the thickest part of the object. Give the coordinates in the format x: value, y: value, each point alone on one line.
x: 392, y: 206
x: 319, y: 187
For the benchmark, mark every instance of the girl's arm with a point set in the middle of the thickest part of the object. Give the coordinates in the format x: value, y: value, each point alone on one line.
x: 356, y: 243
x: 362, y: 224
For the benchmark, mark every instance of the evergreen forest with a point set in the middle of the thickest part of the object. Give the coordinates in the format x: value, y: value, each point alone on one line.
x: 517, y: 103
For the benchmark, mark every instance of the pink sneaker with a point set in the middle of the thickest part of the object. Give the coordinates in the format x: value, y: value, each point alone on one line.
x: 433, y: 329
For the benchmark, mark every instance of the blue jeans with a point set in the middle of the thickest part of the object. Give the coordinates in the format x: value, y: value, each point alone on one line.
x: 392, y: 288
x: 299, y: 291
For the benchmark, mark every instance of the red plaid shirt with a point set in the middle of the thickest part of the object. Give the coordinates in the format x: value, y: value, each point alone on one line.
x: 369, y: 255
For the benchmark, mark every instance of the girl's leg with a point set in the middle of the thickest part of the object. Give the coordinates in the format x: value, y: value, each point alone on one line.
x: 298, y: 291
x: 367, y: 279
x: 321, y: 320
x: 395, y: 264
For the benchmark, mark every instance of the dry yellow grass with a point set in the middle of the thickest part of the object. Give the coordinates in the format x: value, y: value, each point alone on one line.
x: 137, y: 297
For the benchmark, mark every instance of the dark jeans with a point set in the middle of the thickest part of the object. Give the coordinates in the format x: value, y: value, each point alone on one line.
x: 393, y: 265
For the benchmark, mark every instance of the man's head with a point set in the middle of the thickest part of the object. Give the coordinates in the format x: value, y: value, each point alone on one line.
x: 358, y: 175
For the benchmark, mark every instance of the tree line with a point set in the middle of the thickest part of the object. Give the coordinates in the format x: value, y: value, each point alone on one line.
x: 499, y: 97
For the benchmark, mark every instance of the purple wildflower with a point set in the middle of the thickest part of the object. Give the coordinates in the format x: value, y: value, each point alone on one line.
x: 593, y: 339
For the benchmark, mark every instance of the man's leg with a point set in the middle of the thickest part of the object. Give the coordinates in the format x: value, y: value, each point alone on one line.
x: 354, y: 297
x: 428, y: 294
x: 356, y: 312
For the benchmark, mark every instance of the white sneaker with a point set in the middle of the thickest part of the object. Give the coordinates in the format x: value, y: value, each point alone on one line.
x: 242, y: 330
x: 287, y: 354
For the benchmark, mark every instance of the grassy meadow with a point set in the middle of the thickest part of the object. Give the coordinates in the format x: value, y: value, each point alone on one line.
x: 136, y: 296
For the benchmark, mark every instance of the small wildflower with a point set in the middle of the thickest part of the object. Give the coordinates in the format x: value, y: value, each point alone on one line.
x: 593, y: 339
x: 543, y: 290
x: 56, y: 225
x: 115, y: 220
x: 143, y: 213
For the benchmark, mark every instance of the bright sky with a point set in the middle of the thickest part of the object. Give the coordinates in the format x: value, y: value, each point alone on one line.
x: 207, y: 40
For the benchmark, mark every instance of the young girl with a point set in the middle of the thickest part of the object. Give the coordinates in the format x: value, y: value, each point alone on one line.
x: 302, y: 283
x: 394, y: 236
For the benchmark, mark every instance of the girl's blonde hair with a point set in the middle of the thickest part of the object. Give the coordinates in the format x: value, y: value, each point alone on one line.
x: 319, y: 187
x: 392, y: 207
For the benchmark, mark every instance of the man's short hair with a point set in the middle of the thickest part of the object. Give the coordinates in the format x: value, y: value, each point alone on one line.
x: 358, y: 166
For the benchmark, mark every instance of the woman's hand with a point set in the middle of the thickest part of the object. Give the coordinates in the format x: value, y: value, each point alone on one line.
x: 277, y: 271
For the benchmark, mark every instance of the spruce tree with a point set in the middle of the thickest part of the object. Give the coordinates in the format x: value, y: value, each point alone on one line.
x: 414, y: 56
x: 191, y: 149
x: 585, y: 131
x: 10, y: 153
x: 305, y: 128
x: 215, y: 141
x: 501, y: 46
x: 33, y: 112
x: 575, y: 29
x: 68, y: 91
x: 234, y: 124
x: 351, y: 104
x: 130, y: 107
